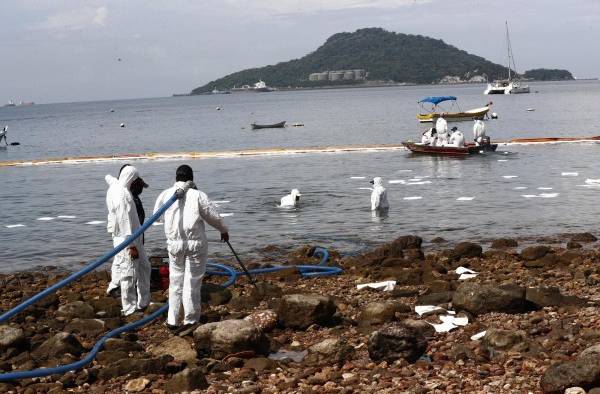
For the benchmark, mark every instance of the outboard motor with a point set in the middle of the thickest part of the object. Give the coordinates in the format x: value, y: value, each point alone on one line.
x: 486, y: 140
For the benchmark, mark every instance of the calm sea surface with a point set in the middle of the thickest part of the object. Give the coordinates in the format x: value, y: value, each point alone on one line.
x: 53, y: 215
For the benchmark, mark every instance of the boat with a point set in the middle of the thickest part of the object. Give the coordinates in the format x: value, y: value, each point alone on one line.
x: 10, y: 104
x: 453, y: 115
x: 507, y: 86
x: 268, y: 126
x: 258, y: 87
x: 468, y: 149
x: 217, y: 91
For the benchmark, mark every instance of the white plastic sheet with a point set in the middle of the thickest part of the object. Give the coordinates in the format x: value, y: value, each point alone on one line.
x: 388, y: 285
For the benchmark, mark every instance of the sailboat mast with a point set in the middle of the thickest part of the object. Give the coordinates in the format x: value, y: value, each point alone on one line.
x: 508, y: 48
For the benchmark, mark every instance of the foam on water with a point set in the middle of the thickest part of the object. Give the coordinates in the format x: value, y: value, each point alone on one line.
x: 94, y: 222
x: 520, y: 188
x: 365, y: 188
x: 502, y: 160
x: 413, y: 198
x: 419, y: 183
x: 544, y: 188
x: 395, y: 181
x: 45, y: 218
x: 224, y: 215
x: 221, y: 201
x: 548, y: 195
x: 509, y: 176
x: 15, y: 225
x: 358, y: 177
x: 569, y: 174
x: 465, y: 198
x: 66, y: 217
x: 529, y: 195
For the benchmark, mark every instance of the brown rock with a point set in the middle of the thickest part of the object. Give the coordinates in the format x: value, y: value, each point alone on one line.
x: 466, y: 250
x: 583, y: 237
x: 396, y: 342
x: 583, y: 372
x: 534, y: 252
x: 229, y: 336
x: 302, y: 310
x: 265, y: 320
x: 58, y: 345
x: 136, y: 385
x: 176, y: 347
x: 329, y: 351
x: 75, y: 309
x: 188, y: 380
x: 478, y: 298
x: 504, y: 243
x: 11, y: 336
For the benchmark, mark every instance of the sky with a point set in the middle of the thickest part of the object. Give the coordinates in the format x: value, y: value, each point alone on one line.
x: 83, y: 50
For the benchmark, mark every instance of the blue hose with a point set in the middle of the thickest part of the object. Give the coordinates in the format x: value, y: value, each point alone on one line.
x: 7, y: 315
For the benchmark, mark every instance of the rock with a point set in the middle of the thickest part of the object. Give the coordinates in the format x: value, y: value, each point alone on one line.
x: 438, y: 240
x: 106, y: 306
x: 583, y: 372
x: 396, y: 342
x: 402, y: 276
x: 591, y: 351
x: 376, y: 313
x: 176, y: 347
x: 219, y: 339
x: 107, y: 357
x: 574, y: 245
x: 503, y: 340
x: 302, y: 310
x: 214, y: 294
x: 11, y: 337
x: 583, y: 237
x: 504, y: 243
x: 260, y: 364
x: 575, y: 390
x: 122, y: 345
x: 478, y: 298
x: 595, y: 390
x: 407, y: 242
x: 435, y: 298
x: 544, y: 296
x: 58, y: 345
x: 265, y: 320
x: 329, y: 351
x: 265, y: 291
x: 534, y: 252
x: 188, y: 380
x: 437, y: 286
x: 87, y: 327
x: 135, y: 367
x: 419, y: 326
x: 466, y: 250
x: 75, y: 309
x: 136, y: 385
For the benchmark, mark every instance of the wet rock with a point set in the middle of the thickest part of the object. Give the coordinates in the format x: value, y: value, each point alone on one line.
x: 58, y: 345
x: 419, y: 326
x: 438, y: 285
x: 583, y: 237
x: 502, y: 243
x: 219, y: 339
x: 376, y: 313
x: 466, y: 250
x: 396, y: 342
x: 534, y: 252
x: 583, y: 372
x: 595, y: 390
x: 122, y: 345
x: 478, y: 298
x: 106, y: 306
x: 575, y: 390
x: 87, y: 327
x: 302, y: 310
x: 265, y: 320
x: 593, y: 350
x: 46, y: 302
x: 401, y: 292
x: 461, y: 352
x: 544, y: 296
x: 435, y: 298
x: 260, y: 364
x: 548, y: 260
x: 10, y: 337
x: 497, y: 340
x: 176, y: 347
x: 574, y: 245
x: 214, y: 294
x: 407, y: 242
x: 107, y: 357
x: 266, y: 291
x: 135, y: 367
x: 329, y: 351
x: 188, y: 380
x: 75, y: 309
x: 438, y: 240
x: 136, y: 385
x: 402, y: 276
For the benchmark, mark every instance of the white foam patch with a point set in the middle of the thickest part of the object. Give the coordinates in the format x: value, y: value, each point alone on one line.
x: 413, y: 198
x: 94, y: 222
x: 502, y: 160
x: 224, y: 215
x: 529, y: 195
x: 365, y: 188
x: 66, y: 217
x: 415, y: 180
x: 45, y: 218
x: 221, y: 201
x: 509, y: 176
x: 419, y: 183
x: 520, y: 188
x: 592, y: 181
x: 14, y: 225
x: 569, y: 173
x: 358, y: 177
x: 395, y: 181
x: 548, y: 195
x: 544, y: 188
x: 404, y: 171
x: 465, y: 198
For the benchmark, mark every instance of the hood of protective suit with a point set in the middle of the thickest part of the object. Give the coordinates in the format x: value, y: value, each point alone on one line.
x: 128, y: 175
x: 377, y: 181
x: 295, y: 192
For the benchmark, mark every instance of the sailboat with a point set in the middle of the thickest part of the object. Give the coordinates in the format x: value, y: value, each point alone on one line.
x: 510, y: 85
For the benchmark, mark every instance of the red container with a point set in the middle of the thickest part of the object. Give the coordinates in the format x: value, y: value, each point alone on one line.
x: 163, y: 273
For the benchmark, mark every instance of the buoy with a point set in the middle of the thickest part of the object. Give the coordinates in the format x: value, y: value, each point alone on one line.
x: 111, y: 110
x: 218, y: 108
x: 297, y: 124
x: 530, y: 109
x: 15, y: 143
x: 122, y: 125
x: 494, y: 115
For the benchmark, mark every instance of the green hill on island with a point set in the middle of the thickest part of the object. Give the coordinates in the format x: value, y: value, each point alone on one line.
x: 371, y: 54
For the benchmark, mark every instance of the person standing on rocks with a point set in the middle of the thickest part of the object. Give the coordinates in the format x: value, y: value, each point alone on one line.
x: 187, y: 245
x: 131, y: 268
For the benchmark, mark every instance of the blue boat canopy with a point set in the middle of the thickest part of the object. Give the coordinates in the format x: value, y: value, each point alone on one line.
x: 437, y: 99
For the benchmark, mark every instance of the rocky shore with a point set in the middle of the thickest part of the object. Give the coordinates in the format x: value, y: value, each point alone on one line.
x: 538, y: 304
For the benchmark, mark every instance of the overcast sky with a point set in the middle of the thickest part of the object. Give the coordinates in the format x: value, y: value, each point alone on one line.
x: 68, y: 50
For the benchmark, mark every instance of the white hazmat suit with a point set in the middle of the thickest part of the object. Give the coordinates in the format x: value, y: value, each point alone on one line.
x: 442, y: 131
x: 291, y: 199
x: 188, y: 249
x: 457, y: 139
x: 132, y: 275
x: 478, y: 131
x: 379, y: 195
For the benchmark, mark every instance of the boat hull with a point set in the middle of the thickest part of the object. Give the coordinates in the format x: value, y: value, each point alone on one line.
x: 469, y: 149
x: 268, y: 126
x: 454, y: 116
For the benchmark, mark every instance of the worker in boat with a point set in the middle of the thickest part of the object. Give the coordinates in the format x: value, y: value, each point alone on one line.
x: 137, y: 187
x: 187, y: 245
x: 379, y: 200
x: 3, y: 135
x: 292, y: 199
x: 131, y: 268
x: 442, y: 131
x: 479, y: 132
x: 457, y: 138
x: 428, y: 137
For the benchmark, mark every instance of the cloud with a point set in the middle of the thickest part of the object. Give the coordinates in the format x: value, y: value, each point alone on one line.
x: 310, y: 6
x: 76, y: 19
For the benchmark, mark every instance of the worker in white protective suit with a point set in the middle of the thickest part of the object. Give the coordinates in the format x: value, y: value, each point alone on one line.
x: 3, y: 135
x: 457, y: 138
x: 379, y: 195
x: 131, y: 268
x: 429, y: 137
x: 187, y: 245
x: 478, y: 132
x: 292, y: 199
x: 442, y: 131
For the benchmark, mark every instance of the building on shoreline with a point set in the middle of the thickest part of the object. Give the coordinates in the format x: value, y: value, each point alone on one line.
x: 338, y: 75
